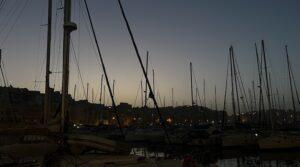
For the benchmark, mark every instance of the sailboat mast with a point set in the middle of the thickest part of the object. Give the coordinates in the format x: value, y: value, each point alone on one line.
x: 92, y: 95
x: 191, y: 75
x: 271, y: 92
x: 261, y: 108
x: 172, y: 97
x: 250, y: 115
x: 87, y: 92
x: 146, y: 87
x: 47, y: 83
x: 254, y: 97
x: 153, y: 81
x: 196, y: 100
x: 291, y: 85
x: 142, y: 94
x: 278, y: 100
x: 267, y: 83
x: 68, y: 28
x: 225, y: 97
x: 204, y: 95
x: 296, y: 90
x: 216, y: 104
x: 232, y: 84
x: 104, y: 95
x: 101, y: 86
x: 152, y: 94
x: 104, y: 69
x: 236, y: 83
x: 284, y: 111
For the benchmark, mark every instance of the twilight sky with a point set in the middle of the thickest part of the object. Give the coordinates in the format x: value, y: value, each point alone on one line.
x: 175, y: 32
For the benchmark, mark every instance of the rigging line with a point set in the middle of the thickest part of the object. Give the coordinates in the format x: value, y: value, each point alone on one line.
x: 232, y: 84
x: 294, y: 82
x: 9, y: 15
x: 2, y: 73
x: 197, y: 88
x: 198, y: 97
x: 259, y: 73
x: 38, y: 57
x: 88, y: 29
x: 78, y: 69
x: 241, y: 84
x: 55, y: 37
x: 197, y: 93
x: 137, y: 94
x: 158, y: 96
x: 243, y: 95
x: 104, y: 69
x: 4, y: 70
x: 225, y: 95
x: 38, y: 50
x: 59, y: 50
x: 59, y: 7
x: 57, y: 41
x: 41, y: 71
x: 296, y: 89
x: 144, y: 72
x: 13, y: 25
x: 79, y: 35
x: 79, y: 25
x: 2, y: 3
x: 42, y: 67
x: 263, y: 67
x: 89, y: 33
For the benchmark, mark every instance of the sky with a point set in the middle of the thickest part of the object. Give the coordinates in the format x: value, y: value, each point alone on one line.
x: 175, y: 32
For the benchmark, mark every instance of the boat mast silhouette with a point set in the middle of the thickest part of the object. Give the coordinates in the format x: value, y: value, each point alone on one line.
x: 48, y: 72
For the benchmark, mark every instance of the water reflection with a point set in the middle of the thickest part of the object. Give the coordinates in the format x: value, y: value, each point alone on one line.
x: 224, y: 158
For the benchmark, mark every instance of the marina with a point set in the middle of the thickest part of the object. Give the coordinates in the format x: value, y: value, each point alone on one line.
x: 249, y: 121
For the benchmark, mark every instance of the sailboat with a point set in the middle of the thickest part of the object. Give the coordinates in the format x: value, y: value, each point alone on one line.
x: 31, y: 140
x: 51, y: 144
x: 284, y: 139
x: 236, y: 137
x: 49, y: 137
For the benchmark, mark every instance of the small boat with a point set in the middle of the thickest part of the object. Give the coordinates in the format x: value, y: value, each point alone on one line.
x: 84, y: 142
